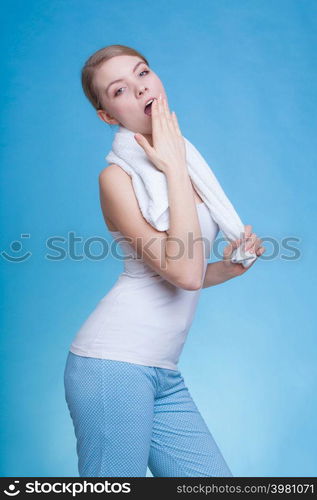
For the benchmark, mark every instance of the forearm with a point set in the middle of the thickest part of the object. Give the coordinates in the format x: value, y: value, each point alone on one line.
x: 216, y: 273
x: 184, y: 245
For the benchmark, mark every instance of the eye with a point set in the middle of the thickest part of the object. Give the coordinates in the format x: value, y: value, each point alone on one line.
x: 117, y: 92
x: 146, y: 71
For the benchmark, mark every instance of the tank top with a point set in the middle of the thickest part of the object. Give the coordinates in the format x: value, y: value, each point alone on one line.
x: 143, y: 319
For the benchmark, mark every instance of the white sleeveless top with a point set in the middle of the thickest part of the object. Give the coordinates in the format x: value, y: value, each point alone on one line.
x: 143, y: 319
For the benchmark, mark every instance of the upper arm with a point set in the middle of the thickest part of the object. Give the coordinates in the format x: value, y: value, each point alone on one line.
x: 118, y: 198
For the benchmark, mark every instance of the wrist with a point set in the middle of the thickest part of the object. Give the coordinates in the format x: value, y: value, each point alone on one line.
x: 176, y: 169
x: 229, y: 270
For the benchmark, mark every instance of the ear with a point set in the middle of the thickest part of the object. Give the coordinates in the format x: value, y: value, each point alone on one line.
x: 105, y: 117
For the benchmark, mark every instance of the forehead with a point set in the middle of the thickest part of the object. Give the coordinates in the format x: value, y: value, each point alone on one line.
x: 114, y: 68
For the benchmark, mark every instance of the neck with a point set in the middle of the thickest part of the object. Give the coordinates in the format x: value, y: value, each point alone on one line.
x: 149, y: 139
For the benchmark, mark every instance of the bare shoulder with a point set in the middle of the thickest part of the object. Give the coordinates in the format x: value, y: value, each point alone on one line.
x: 112, y: 173
x: 116, y: 194
x: 114, y: 185
x: 112, y: 180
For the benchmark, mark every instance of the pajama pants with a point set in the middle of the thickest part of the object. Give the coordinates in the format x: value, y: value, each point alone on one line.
x: 128, y: 417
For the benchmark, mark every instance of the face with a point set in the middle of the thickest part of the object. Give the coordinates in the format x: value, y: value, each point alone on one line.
x: 123, y: 102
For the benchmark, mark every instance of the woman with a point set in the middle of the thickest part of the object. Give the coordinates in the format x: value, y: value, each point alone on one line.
x: 128, y: 401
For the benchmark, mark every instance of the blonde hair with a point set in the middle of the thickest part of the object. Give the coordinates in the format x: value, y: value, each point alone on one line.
x: 95, y: 60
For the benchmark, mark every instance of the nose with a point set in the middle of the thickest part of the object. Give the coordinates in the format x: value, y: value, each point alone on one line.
x: 141, y: 90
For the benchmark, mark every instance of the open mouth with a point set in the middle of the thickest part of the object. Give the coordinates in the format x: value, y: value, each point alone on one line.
x: 147, y: 109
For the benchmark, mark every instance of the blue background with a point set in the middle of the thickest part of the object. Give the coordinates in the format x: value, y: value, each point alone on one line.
x: 241, y: 76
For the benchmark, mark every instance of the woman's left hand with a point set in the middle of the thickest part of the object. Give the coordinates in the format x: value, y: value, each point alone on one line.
x: 252, y: 242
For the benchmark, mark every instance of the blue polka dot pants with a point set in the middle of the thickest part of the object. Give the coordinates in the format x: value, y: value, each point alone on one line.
x: 128, y: 417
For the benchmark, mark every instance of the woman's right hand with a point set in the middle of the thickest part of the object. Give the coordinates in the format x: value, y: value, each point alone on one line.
x: 168, y: 149
x: 250, y: 243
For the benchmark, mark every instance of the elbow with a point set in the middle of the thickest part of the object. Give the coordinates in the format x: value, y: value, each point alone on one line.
x: 188, y: 281
x: 190, y: 285
x: 195, y: 286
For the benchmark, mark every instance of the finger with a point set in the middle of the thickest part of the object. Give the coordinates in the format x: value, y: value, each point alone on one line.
x: 253, y: 247
x: 228, y: 250
x: 175, y: 121
x: 167, y: 116
x: 250, y: 241
x: 167, y: 109
x: 156, y: 126
x: 236, y: 243
x: 141, y: 140
x: 248, y: 230
x: 163, y: 116
x: 260, y: 251
x: 257, y: 244
x: 160, y: 111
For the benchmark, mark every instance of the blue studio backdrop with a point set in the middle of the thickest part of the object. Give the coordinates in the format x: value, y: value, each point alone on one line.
x: 241, y: 76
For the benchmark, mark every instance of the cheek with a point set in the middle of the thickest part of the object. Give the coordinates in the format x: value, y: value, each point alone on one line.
x: 156, y: 81
x: 127, y: 105
x: 123, y: 107
x: 116, y: 108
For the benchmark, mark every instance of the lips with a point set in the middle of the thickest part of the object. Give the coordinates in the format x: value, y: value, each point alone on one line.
x: 147, y: 109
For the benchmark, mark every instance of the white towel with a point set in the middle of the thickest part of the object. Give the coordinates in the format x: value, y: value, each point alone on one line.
x: 150, y: 186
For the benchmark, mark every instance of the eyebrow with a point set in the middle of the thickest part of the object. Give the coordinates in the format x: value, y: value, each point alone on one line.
x: 120, y: 80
